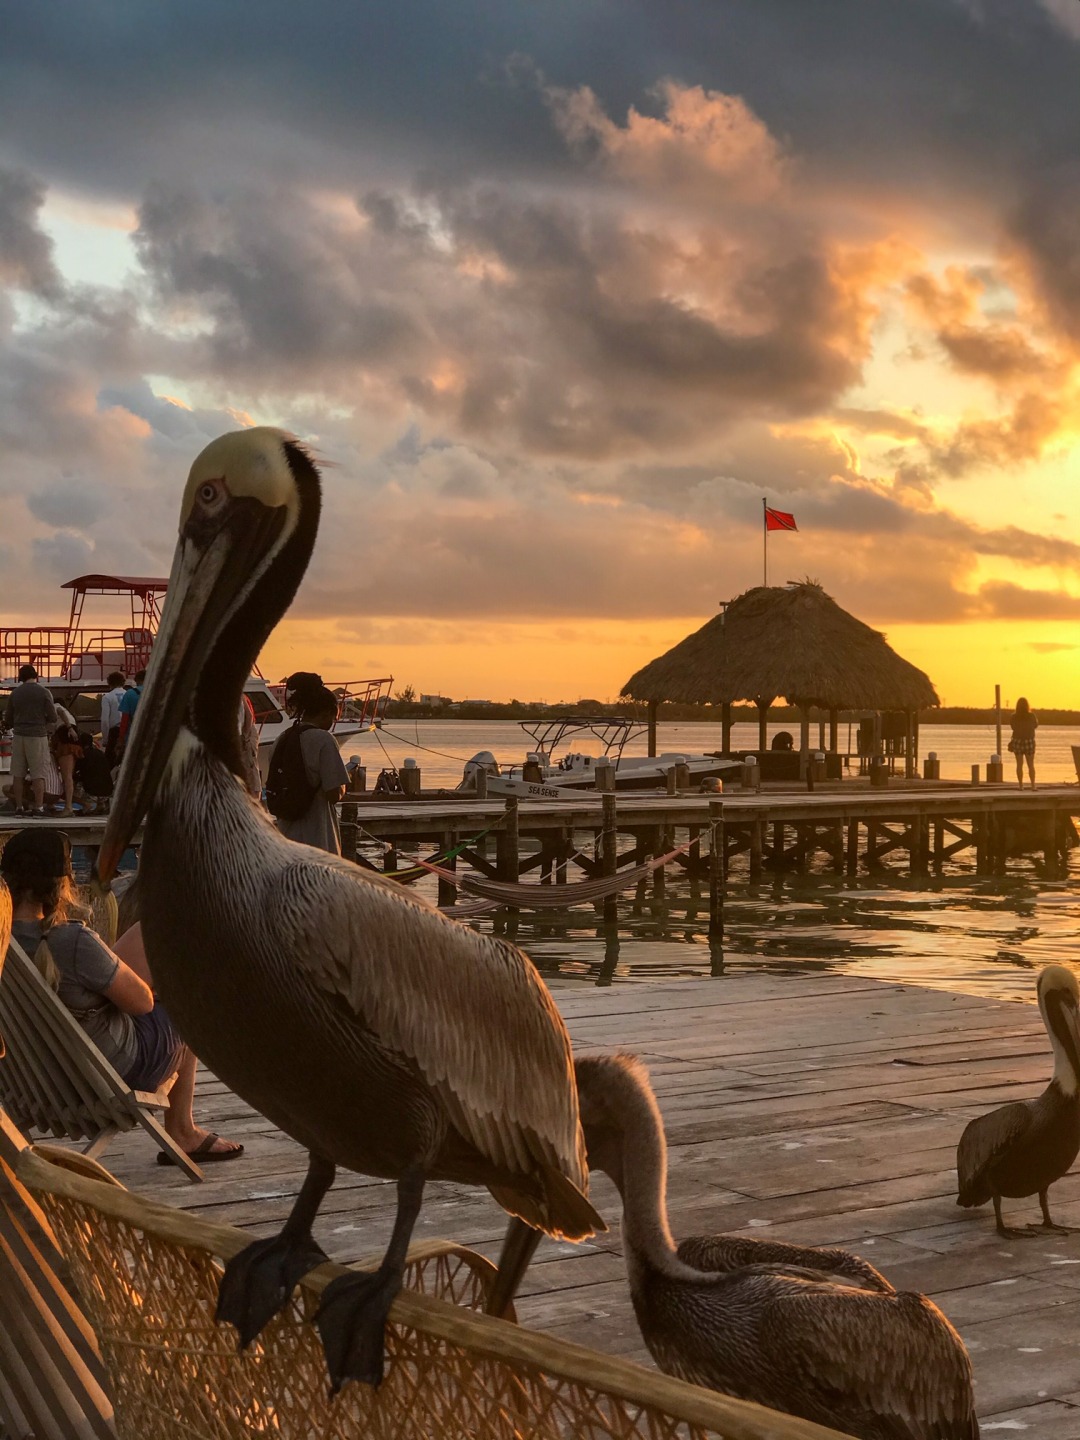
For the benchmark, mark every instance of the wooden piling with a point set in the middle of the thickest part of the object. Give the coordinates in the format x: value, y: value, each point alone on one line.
x: 609, y: 856
x: 757, y: 838
x: 447, y: 888
x: 348, y: 831
x: 716, y: 872
x: 507, y: 846
x: 853, y: 846
x: 659, y: 876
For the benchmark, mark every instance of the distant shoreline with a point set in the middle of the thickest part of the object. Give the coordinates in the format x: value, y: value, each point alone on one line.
x: 740, y: 714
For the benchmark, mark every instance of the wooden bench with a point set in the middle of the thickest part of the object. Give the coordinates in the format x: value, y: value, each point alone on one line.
x: 54, y: 1079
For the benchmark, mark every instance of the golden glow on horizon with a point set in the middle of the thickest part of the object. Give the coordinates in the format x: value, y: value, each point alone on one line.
x: 560, y: 661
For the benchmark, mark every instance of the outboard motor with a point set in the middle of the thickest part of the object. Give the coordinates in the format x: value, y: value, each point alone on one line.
x: 482, y: 760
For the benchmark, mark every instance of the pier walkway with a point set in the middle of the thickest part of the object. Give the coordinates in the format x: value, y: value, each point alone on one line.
x: 819, y: 1109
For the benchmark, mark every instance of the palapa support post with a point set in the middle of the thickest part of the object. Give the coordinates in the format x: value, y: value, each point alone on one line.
x: 653, y: 706
x: 725, y: 727
x: 804, y: 741
x: 763, y: 722
x: 716, y: 872
x: 834, y: 726
x: 609, y: 857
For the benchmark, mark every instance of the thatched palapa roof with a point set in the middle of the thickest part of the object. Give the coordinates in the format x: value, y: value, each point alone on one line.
x: 790, y: 641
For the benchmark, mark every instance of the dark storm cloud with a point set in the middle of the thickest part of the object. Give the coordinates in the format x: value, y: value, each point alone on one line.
x: 26, y: 261
x: 919, y: 94
x: 548, y: 321
x: 1046, y: 224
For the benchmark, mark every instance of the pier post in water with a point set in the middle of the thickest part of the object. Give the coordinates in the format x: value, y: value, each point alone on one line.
x: 507, y: 845
x: 610, y: 836
x: 716, y: 872
x: 447, y: 888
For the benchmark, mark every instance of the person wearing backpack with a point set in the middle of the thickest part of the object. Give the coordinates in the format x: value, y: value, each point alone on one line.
x: 307, y: 776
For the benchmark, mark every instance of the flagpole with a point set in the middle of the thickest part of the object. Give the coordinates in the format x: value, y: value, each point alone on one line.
x: 765, y: 540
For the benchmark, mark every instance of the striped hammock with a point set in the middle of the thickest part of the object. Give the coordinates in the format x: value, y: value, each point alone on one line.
x: 548, y: 896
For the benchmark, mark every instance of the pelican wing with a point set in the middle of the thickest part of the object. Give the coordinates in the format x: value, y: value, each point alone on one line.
x: 469, y: 1010
x: 894, y: 1357
x: 733, y: 1252
x: 983, y: 1142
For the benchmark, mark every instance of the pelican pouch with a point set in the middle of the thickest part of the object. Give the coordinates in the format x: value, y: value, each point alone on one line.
x: 289, y: 792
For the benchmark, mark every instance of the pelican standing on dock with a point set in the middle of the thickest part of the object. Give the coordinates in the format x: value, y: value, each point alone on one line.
x: 868, y: 1361
x: 379, y: 1034
x: 1022, y: 1148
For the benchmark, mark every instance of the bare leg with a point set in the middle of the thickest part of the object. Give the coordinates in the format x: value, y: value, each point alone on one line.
x: 37, y: 788
x: 1020, y: 771
x: 260, y: 1280
x: 66, y: 766
x: 1031, y: 770
x: 18, y: 785
x: 352, y: 1317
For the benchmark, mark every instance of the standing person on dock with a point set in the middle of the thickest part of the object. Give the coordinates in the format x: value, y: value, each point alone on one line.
x: 1024, y: 724
x: 31, y: 715
x: 307, y: 776
x: 110, y: 713
x: 129, y: 703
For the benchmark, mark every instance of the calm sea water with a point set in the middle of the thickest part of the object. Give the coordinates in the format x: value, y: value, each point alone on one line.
x: 959, y: 931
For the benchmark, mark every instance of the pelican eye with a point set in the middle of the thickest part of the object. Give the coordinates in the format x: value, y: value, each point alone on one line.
x: 210, y: 492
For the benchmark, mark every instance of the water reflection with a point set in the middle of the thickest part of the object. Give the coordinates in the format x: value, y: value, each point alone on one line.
x: 984, y: 935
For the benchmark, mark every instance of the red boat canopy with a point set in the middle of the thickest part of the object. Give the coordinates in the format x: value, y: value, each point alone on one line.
x: 117, y: 585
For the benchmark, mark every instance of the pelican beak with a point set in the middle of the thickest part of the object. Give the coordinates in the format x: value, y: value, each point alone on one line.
x: 212, y: 574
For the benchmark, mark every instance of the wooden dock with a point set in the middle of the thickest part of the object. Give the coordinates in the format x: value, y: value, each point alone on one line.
x: 819, y: 1109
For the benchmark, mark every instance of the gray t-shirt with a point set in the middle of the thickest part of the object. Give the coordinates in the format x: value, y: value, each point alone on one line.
x: 87, y: 968
x: 30, y: 710
x: 325, y: 768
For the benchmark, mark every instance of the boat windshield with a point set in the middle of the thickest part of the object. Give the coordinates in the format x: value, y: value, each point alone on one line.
x: 611, y: 731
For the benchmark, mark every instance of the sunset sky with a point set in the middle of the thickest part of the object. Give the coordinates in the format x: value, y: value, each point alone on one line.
x: 562, y: 290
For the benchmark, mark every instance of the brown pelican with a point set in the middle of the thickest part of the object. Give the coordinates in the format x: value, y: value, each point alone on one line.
x: 379, y: 1034
x: 869, y: 1362
x: 1022, y: 1148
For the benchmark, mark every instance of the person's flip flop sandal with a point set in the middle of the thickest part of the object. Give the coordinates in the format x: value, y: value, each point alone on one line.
x: 204, y: 1153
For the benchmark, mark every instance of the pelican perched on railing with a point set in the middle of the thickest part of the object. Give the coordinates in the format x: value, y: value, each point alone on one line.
x: 1022, y: 1148
x: 863, y: 1359
x: 379, y: 1034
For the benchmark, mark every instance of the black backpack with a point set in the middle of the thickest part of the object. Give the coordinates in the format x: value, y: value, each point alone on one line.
x: 289, y: 792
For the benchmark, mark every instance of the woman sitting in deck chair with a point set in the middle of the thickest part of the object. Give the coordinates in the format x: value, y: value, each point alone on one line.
x: 109, y: 993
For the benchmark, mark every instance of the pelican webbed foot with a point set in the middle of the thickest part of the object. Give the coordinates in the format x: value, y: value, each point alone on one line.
x: 352, y: 1316
x: 258, y: 1282
x: 352, y: 1323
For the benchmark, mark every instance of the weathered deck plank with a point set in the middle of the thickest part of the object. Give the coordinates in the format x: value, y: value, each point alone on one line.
x: 821, y: 1109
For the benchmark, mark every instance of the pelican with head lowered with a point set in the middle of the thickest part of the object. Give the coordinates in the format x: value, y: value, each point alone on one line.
x: 815, y: 1333
x: 1022, y: 1148
x: 379, y: 1034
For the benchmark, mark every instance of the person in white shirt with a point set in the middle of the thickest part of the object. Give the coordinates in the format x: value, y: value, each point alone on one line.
x: 110, y: 714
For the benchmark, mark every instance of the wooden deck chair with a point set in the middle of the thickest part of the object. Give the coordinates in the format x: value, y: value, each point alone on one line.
x: 54, y: 1079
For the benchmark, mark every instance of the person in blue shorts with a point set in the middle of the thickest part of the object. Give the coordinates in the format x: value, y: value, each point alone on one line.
x: 109, y: 992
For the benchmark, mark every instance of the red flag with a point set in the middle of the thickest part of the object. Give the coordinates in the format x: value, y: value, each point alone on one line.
x: 779, y: 520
